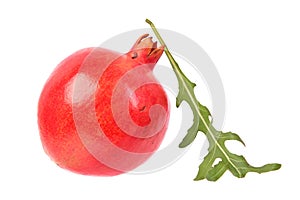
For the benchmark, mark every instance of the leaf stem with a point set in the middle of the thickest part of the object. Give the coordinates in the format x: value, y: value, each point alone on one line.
x: 169, y: 55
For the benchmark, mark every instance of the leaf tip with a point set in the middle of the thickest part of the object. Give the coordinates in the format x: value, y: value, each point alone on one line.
x: 268, y: 168
x: 178, y: 102
x: 198, y: 178
x: 243, y: 143
x: 183, y: 144
x: 275, y: 166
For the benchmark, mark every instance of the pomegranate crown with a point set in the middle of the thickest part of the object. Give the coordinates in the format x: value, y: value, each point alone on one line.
x: 145, y: 50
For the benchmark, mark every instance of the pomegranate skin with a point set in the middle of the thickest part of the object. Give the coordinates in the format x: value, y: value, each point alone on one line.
x: 69, y: 137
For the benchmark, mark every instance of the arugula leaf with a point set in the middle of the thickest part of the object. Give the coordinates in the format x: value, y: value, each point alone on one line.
x: 236, y: 164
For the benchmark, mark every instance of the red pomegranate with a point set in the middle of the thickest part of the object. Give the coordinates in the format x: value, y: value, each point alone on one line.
x: 102, y: 112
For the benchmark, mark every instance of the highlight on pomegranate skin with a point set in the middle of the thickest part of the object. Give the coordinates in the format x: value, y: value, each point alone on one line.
x: 102, y: 112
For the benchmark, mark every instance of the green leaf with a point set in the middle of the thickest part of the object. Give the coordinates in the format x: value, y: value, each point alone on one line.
x: 236, y: 164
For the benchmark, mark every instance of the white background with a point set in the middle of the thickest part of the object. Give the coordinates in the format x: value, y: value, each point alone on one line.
x: 254, y: 44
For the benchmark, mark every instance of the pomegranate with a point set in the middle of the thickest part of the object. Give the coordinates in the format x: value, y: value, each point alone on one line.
x: 102, y: 112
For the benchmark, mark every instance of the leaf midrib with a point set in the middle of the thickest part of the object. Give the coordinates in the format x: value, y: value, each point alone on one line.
x: 203, y: 121
x: 178, y: 73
